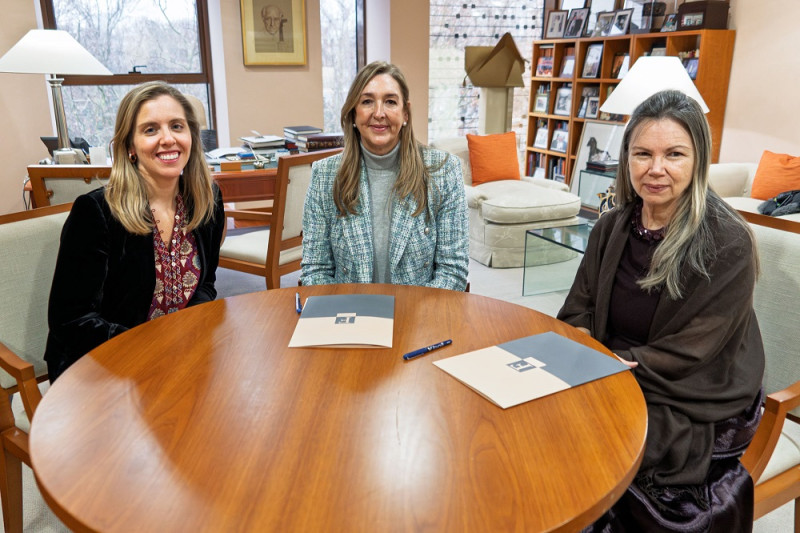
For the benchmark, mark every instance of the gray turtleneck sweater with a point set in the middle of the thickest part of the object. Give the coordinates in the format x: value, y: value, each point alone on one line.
x: 381, y: 175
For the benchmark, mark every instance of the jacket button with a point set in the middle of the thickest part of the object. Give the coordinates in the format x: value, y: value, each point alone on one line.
x: 425, y: 264
x: 426, y: 231
x: 344, y: 270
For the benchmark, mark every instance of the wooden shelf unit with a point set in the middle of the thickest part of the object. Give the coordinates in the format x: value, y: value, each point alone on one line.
x: 713, y: 74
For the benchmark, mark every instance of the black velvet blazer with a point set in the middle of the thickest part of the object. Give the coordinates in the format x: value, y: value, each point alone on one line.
x: 105, y: 278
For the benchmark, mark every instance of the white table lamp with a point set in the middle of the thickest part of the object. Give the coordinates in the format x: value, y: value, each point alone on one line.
x: 649, y: 75
x: 50, y: 52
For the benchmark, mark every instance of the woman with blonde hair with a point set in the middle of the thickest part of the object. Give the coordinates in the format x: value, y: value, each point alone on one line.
x: 146, y: 244
x: 387, y: 209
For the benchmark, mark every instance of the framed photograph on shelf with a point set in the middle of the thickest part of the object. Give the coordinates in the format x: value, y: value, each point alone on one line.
x: 541, y: 139
x: 559, y: 142
x: 563, y: 101
x: 544, y: 67
x: 567, y: 67
x: 691, y: 66
x: 670, y: 23
x: 591, y: 65
x: 576, y: 23
x: 622, y: 20
x: 619, y: 67
x: 274, y: 32
x: 540, y: 104
x: 592, y: 106
x: 600, y: 145
x: 597, y: 7
x: 603, y: 26
x: 556, y: 24
x: 647, y: 16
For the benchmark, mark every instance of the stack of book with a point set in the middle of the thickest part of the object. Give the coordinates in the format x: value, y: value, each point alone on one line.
x: 292, y: 132
x: 608, y: 166
x: 319, y: 141
x: 263, y: 141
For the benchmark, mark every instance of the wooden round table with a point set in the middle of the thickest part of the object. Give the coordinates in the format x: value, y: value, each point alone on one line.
x: 204, y: 420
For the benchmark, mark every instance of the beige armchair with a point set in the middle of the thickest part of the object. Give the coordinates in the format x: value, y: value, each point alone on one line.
x: 500, y: 212
x: 30, y: 243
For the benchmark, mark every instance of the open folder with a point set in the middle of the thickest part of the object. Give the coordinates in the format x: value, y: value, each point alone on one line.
x: 528, y: 368
x: 345, y: 320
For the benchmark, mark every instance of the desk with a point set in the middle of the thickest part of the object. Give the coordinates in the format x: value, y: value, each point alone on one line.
x: 246, y: 185
x: 205, y: 421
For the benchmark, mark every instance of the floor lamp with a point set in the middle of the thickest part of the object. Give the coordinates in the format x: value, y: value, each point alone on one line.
x: 50, y: 52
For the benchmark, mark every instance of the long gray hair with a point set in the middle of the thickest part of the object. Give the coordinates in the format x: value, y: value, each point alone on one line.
x: 689, y: 239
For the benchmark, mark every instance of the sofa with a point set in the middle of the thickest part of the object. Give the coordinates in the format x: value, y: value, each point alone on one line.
x: 500, y: 212
x: 734, y: 181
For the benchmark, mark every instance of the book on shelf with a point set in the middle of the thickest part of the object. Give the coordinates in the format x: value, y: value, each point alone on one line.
x: 568, y: 63
x: 525, y: 369
x: 544, y: 65
x: 345, y: 320
x: 292, y: 132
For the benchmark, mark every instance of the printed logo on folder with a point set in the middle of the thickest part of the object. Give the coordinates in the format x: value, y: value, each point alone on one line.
x: 524, y: 369
x: 346, y: 320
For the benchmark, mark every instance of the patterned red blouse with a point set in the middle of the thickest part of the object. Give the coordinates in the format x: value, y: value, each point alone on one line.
x: 177, y: 268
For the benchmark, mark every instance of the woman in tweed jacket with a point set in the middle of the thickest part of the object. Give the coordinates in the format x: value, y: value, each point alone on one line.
x: 387, y: 209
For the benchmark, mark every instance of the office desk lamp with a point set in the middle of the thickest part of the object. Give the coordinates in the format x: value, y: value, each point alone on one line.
x: 48, y: 52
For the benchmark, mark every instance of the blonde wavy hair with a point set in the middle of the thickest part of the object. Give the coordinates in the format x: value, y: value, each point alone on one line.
x: 126, y: 193
x: 413, y: 176
x: 689, y: 239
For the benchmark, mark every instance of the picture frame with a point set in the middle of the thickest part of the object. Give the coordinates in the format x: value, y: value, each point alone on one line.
x: 622, y: 19
x: 540, y: 104
x: 541, y: 139
x: 556, y: 24
x: 273, y: 32
x: 544, y: 67
x: 591, y: 64
x: 597, y: 7
x: 691, y: 63
x: 567, y: 67
x: 648, y: 15
x: 670, y: 23
x: 620, y: 60
x: 563, y: 101
x: 598, y: 140
x: 560, y: 140
x: 576, y: 22
x: 604, y: 22
x: 592, y: 107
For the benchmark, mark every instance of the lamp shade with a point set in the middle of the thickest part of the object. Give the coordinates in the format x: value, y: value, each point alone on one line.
x: 649, y: 75
x: 50, y: 52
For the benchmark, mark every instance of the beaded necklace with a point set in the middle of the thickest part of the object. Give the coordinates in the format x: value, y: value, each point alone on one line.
x: 639, y: 231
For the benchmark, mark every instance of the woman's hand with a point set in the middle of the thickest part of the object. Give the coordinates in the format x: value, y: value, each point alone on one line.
x: 629, y: 364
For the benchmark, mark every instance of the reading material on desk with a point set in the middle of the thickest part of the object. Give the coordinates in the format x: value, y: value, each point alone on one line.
x: 264, y: 141
x: 524, y: 369
x: 345, y: 321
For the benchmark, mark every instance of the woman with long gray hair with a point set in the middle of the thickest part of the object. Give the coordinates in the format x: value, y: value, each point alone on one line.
x: 667, y: 285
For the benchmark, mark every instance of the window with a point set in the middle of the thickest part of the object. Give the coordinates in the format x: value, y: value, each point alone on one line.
x: 342, y: 32
x: 138, y: 40
x: 453, y: 109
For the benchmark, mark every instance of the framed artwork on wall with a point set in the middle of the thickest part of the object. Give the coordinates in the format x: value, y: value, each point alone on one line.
x: 273, y: 32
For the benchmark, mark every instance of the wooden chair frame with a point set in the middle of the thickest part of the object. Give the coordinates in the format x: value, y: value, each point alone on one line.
x: 13, y: 440
x: 271, y: 270
x: 784, y: 487
x: 40, y: 194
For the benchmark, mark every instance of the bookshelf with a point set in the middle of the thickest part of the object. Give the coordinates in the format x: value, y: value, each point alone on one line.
x: 712, y: 48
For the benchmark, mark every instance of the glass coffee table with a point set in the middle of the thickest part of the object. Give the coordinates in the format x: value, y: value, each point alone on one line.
x: 552, y: 256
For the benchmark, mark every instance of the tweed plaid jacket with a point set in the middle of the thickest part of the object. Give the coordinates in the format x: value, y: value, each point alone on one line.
x: 430, y: 251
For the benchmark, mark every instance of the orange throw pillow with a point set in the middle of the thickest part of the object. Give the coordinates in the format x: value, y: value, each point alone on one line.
x: 776, y: 173
x: 493, y: 157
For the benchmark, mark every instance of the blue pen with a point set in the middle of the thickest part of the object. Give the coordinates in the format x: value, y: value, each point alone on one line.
x: 423, y: 351
x: 298, y: 307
